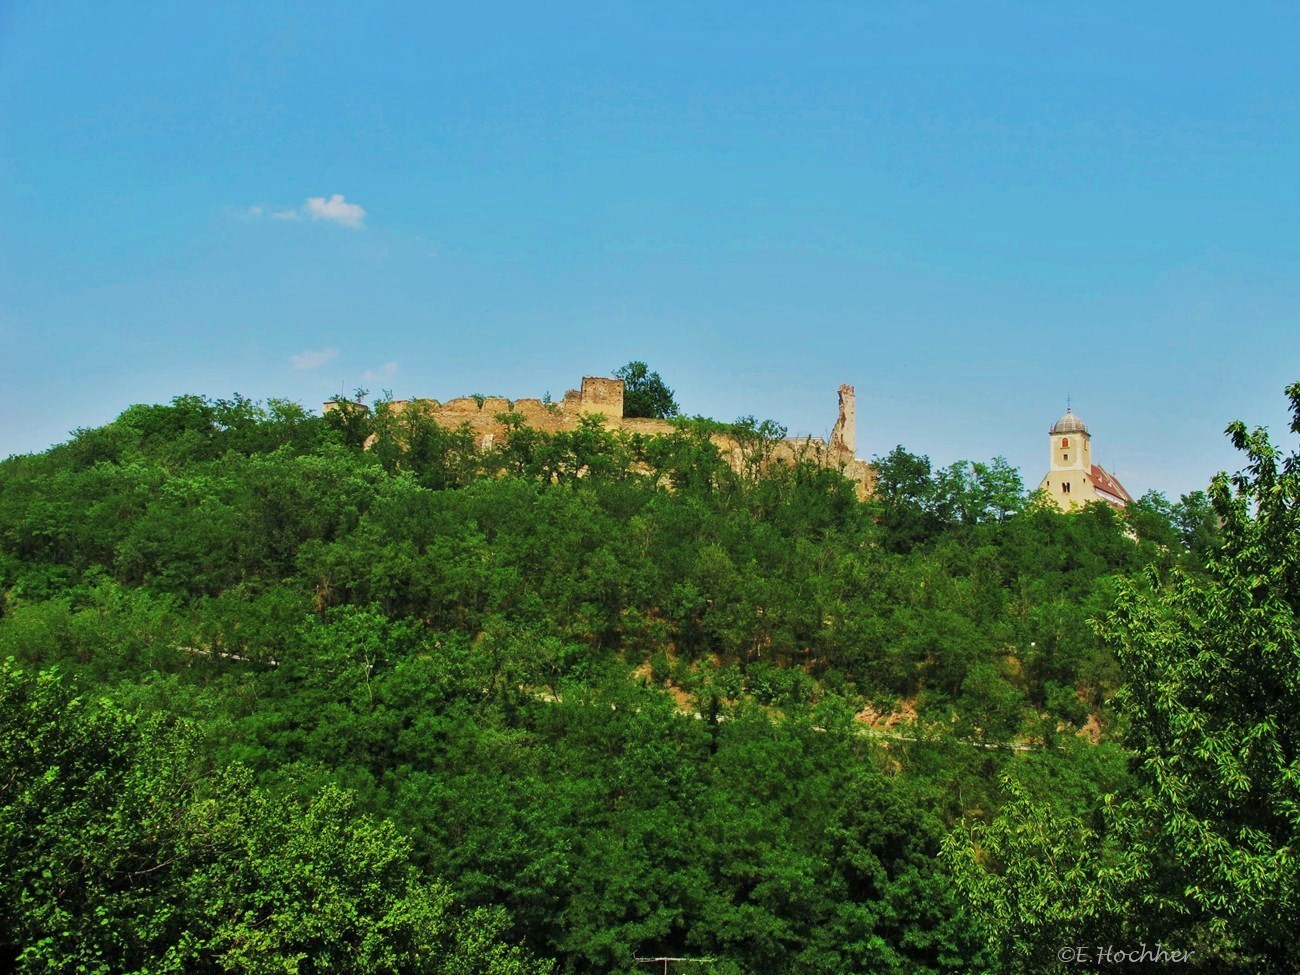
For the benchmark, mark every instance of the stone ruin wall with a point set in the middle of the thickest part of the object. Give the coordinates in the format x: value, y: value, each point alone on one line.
x: 603, y: 396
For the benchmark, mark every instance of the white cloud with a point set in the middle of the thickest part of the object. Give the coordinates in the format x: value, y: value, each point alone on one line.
x: 336, y: 209
x: 387, y: 371
x: 313, y: 360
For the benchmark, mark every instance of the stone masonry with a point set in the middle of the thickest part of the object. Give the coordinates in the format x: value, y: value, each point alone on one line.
x: 604, y: 397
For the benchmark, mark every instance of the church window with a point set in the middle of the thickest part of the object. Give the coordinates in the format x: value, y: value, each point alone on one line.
x: 1065, y: 487
x: 1065, y: 441
x: 1065, y: 457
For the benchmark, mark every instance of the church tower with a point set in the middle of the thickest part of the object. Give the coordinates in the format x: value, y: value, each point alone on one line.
x: 1072, y: 478
x: 1071, y: 462
x: 1071, y: 444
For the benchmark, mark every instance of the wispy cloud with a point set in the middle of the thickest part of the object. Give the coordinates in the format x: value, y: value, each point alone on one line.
x: 336, y: 210
x: 387, y: 371
x: 332, y: 209
x: 254, y: 212
x: 313, y: 360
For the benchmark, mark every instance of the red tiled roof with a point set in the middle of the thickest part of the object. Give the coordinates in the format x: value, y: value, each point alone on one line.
x: 1105, y: 482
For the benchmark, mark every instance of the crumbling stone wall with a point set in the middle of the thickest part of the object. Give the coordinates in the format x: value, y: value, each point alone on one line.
x: 487, y: 417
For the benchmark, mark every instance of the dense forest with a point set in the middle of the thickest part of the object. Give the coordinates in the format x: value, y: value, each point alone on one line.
x: 291, y: 693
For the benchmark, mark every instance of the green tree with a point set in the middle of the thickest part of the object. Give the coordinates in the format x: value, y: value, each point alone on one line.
x: 351, y: 419
x: 1038, y: 879
x: 904, y: 498
x: 124, y: 852
x: 1150, y: 517
x: 973, y: 493
x: 1196, y: 523
x: 645, y: 394
x: 989, y: 708
x: 1212, y: 697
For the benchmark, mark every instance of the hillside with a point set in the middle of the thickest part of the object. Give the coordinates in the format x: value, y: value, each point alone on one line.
x: 565, y: 701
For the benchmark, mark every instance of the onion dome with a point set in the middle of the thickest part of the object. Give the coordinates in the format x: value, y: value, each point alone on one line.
x: 1069, y: 424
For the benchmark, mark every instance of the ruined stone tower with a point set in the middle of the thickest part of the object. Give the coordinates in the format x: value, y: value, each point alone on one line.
x: 604, y: 396
x: 844, y: 437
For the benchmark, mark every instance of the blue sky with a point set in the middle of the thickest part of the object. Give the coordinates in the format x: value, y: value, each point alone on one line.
x: 968, y: 211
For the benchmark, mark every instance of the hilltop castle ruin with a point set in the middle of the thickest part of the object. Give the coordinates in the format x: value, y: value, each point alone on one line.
x: 601, y: 396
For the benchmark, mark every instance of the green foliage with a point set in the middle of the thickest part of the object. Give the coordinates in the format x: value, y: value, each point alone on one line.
x: 124, y: 853
x: 1194, y: 849
x: 915, y: 504
x: 1036, y: 882
x: 1197, y: 524
x: 1212, y: 698
x: 989, y: 708
x: 372, y: 669
x: 904, y: 498
x: 645, y: 394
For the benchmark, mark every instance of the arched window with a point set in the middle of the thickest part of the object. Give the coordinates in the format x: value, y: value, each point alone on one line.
x: 1065, y: 441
